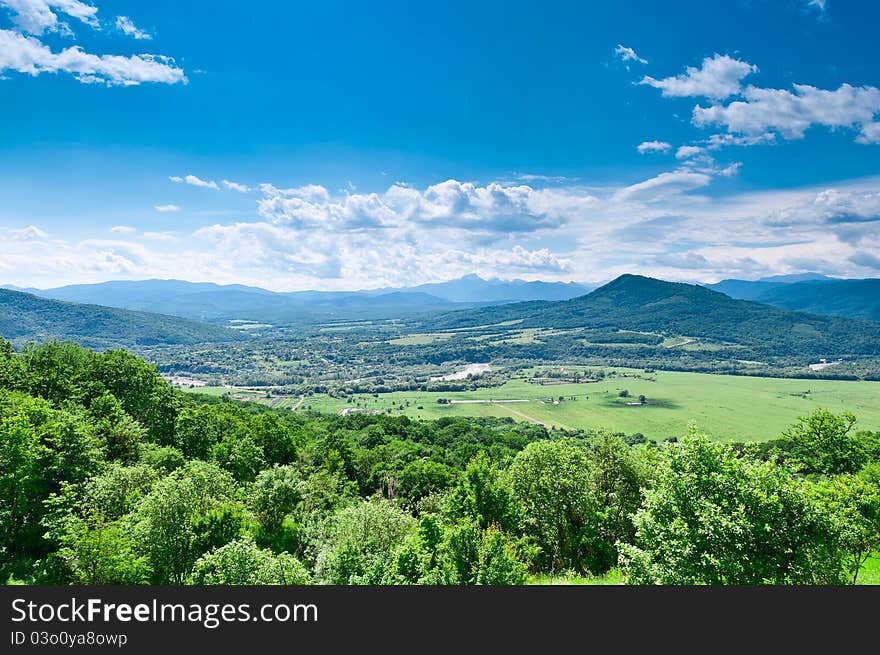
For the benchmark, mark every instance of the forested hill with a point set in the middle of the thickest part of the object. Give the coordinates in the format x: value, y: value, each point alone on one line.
x: 25, y: 317
x: 633, y: 302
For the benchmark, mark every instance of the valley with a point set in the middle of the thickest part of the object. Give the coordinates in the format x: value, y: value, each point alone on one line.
x: 725, y: 407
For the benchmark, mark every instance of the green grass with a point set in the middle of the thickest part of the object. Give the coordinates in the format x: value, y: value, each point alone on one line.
x: 726, y: 407
x: 870, y: 573
x: 611, y: 578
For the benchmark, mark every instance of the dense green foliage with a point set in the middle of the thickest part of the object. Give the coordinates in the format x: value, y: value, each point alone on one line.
x: 107, y: 475
x: 25, y: 317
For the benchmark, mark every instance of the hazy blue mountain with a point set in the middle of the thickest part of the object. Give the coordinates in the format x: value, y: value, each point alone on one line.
x: 744, y: 289
x: 12, y: 287
x: 797, y: 277
x: 849, y: 298
x: 26, y: 317
x: 810, y: 292
x: 213, y: 302
x: 473, y: 288
x: 754, y: 289
x: 633, y: 302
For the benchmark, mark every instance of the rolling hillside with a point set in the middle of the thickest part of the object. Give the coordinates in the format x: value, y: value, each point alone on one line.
x: 25, y: 317
x: 638, y: 303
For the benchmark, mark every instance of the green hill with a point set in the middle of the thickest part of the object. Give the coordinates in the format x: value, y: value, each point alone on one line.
x: 637, y: 303
x: 25, y: 317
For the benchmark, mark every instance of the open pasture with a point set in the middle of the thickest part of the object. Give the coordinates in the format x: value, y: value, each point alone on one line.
x: 728, y: 408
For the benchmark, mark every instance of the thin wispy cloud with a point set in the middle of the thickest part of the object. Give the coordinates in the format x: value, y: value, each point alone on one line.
x: 165, y: 209
x: 192, y: 180
x: 628, y: 54
x: 127, y: 27
x: 235, y: 186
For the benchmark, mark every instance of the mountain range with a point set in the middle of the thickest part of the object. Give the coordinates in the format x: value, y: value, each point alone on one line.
x: 811, y: 293
x: 637, y: 303
x: 220, y: 303
x: 631, y: 303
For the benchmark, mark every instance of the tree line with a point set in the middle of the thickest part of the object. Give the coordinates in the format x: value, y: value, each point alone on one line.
x: 109, y: 476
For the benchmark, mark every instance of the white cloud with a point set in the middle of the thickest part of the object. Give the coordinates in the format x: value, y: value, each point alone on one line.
x: 628, y: 54
x: 235, y: 186
x: 663, y: 185
x: 684, y: 152
x: 718, y: 141
x: 653, y: 146
x: 830, y: 206
x: 160, y: 236
x: 38, y: 16
x: 164, y: 209
x: 28, y: 233
x: 531, y: 177
x: 870, y: 133
x: 491, y: 208
x: 28, y: 55
x: 719, y: 77
x: 790, y: 114
x: 123, y: 229
x: 192, y: 180
x: 659, y: 226
x: 127, y: 27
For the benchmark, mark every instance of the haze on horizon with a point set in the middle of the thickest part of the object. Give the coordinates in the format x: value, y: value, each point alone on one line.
x: 301, y: 147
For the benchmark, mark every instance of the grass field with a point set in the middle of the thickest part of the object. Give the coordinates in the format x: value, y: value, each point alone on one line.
x: 728, y: 408
x: 870, y: 573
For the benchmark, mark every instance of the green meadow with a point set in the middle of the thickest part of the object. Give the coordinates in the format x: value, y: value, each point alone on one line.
x: 728, y: 408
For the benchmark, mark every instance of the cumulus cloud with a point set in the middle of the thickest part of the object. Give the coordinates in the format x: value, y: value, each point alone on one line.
x: 164, y: 209
x: 791, y: 113
x: 653, y: 146
x: 758, y: 115
x: 870, y: 133
x: 492, y: 208
x: 628, y: 54
x: 192, y: 180
x: 308, y: 237
x: 718, y: 77
x: 22, y: 51
x: 830, y: 206
x: 39, y: 16
x: 30, y: 56
x: 127, y: 27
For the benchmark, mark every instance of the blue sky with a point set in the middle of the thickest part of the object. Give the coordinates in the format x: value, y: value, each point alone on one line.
x: 348, y: 145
